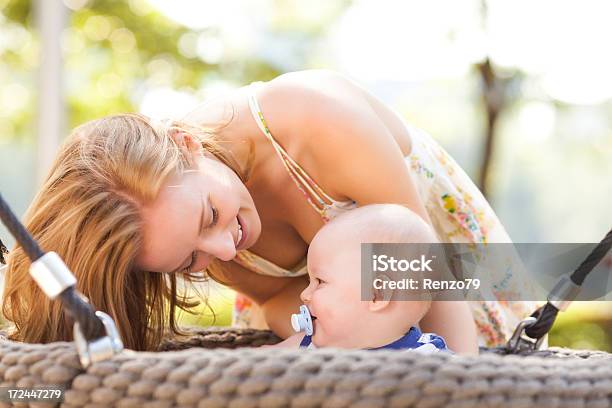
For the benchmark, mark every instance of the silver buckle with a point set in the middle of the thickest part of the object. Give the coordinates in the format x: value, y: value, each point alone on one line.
x: 51, y: 274
x: 519, y: 342
x: 99, y: 349
x: 564, y: 292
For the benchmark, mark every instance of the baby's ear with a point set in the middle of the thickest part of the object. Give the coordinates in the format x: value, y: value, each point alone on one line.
x: 381, y: 296
x: 193, y: 143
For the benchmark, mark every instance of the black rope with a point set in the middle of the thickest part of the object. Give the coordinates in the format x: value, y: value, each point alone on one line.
x: 592, y: 260
x: 75, y: 305
x: 18, y: 231
x: 79, y: 309
x: 547, y: 314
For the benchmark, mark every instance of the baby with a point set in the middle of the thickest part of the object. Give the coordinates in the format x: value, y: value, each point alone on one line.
x: 333, y: 299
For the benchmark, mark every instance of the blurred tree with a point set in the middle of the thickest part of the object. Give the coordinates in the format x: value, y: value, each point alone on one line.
x: 497, y: 95
x: 493, y: 95
x: 495, y: 98
x: 116, y: 50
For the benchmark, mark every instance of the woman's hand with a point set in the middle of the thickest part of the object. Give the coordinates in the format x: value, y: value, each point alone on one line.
x: 290, y: 342
x: 455, y: 323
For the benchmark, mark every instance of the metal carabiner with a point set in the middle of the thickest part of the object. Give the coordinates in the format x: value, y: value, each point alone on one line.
x: 520, y: 342
x: 99, y: 349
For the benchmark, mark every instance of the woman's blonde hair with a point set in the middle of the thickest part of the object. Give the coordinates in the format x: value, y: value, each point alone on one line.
x: 88, y: 212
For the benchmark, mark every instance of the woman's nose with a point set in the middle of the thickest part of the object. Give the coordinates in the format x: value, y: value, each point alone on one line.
x: 220, y: 245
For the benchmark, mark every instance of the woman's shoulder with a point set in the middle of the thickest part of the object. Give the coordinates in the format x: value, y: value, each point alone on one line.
x: 313, y: 104
x: 308, y: 78
x: 310, y: 89
x: 327, y: 119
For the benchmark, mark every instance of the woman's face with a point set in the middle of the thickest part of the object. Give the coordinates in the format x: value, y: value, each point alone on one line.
x: 203, y: 214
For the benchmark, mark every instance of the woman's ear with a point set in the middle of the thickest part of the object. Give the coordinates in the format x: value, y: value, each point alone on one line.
x: 189, y: 146
x: 380, y: 297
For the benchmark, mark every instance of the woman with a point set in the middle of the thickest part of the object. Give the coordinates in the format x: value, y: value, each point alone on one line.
x: 129, y: 211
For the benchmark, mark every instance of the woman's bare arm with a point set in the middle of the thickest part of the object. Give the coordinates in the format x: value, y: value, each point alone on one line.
x: 292, y: 341
x: 345, y: 146
x: 259, y: 288
x: 278, y: 309
x: 277, y: 297
x: 455, y: 323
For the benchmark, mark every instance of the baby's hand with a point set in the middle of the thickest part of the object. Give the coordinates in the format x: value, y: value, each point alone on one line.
x: 290, y: 342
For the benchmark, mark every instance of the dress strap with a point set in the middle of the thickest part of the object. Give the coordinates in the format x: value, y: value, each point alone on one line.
x: 305, y: 183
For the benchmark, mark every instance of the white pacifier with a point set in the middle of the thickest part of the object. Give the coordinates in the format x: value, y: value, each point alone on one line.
x: 302, y: 321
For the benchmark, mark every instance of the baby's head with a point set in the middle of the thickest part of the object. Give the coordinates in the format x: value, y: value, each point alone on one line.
x: 334, y: 297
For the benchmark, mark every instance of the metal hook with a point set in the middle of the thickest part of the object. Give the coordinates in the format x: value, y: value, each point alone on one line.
x: 99, y: 349
x: 519, y: 342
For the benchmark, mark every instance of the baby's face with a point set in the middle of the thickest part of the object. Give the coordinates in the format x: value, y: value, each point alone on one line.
x: 334, y: 293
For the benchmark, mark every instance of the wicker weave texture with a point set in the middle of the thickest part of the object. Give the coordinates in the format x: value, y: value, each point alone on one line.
x: 263, y: 377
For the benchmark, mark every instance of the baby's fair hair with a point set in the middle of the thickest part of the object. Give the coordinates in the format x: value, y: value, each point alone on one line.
x: 383, y: 223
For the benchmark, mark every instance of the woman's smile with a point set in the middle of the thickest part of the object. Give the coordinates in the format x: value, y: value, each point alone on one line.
x: 242, y: 233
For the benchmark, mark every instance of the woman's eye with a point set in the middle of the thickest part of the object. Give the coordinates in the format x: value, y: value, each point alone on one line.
x: 215, y: 217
